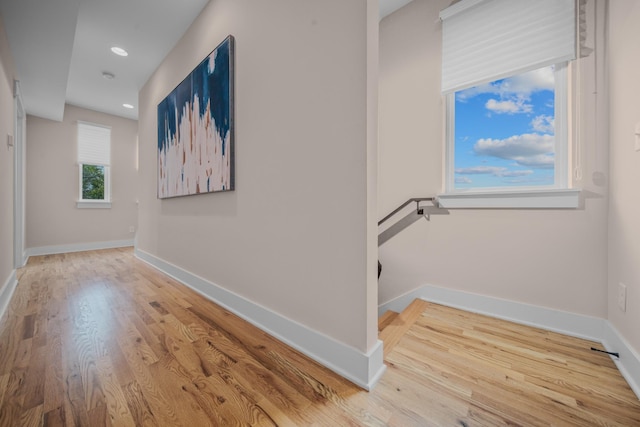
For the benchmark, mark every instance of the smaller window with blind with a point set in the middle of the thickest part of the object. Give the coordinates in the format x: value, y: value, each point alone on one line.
x: 94, y: 162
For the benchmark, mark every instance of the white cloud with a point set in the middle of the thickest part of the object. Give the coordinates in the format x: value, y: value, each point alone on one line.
x: 517, y: 173
x: 516, y: 147
x: 481, y: 170
x: 463, y: 180
x: 515, y: 106
x: 477, y: 90
x: 529, y: 150
x: 519, y: 86
x: 490, y: 170
x: 541, y: 161
x: 543, y: 124
x: 527, y: 83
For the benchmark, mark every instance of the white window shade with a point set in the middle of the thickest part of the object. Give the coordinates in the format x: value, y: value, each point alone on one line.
x: 94, y: 144
x: 485, y: 40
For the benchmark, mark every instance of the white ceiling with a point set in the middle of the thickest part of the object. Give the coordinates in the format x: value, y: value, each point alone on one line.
x: 62, y: 47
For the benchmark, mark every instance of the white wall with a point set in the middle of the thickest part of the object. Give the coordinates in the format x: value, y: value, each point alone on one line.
x: 52, y: 188
x: 7, y: 74
x: 624, y: 205
x: 297, y: 236
x: 550, y: 258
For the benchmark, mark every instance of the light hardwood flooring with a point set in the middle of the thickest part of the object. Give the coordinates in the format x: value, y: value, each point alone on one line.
x: 100, y: 338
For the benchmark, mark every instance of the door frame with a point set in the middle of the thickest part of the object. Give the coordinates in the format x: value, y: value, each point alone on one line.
x: 19, y: 130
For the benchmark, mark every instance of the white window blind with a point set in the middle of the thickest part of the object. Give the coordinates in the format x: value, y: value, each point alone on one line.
x: 94, y: 144
x: 486, y: 40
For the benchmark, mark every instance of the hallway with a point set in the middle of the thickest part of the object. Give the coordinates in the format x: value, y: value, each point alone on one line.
x: 100, y: 338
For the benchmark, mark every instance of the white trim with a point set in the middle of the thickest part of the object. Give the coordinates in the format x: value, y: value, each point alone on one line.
x: 401, y: 302
x: 363, y: 369
x: 98, y: 125
x: 485, y: 195
x: 450, y: 144
x: 531, y: 199
x: 95, y: 204
x: 458, y: 7
x: 576, y: 325
x: 572, y: 324
x: 78, y: 247
x: 19, y: 138
x: 6, y: 292
x: 629, y: 361
x: 562, y: 124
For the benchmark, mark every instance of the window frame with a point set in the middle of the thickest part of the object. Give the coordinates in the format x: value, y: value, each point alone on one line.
x: 558, y: 195
x: 104, y: 203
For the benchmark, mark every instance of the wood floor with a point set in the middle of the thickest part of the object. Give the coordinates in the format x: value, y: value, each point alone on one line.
x: 100, y: 338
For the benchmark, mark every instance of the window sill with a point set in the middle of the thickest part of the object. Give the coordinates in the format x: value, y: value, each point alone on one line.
x: 528, y: 199
x: 94, y: 204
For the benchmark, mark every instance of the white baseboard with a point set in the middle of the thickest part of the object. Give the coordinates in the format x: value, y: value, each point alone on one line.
x: 23, y: 260
x: 576, y: 325
x: 77, y: 247
x: 629, y: 361
x: 572, y: 324
x: 363, y: 369
x: 400, y: 303
x: 6, y: 292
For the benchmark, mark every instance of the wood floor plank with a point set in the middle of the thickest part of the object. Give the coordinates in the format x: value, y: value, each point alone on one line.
x: 393, y: 332
x: 157, y: 400
x: 12, y: 330
x: 585, y: 366
x: 386, y: 318
x: 219, y: 357
x: 32, y: 417
x: 55, y: 418
x: 173, y: 381
x: 138, y: 405
x: 11, y: 408
x: 116, y: 403
x: 4, y: 381
x: 74, y: 405
x: 98, y: 415
x: 100, y: 338
x: 34, y: 384
x: 54, y: 376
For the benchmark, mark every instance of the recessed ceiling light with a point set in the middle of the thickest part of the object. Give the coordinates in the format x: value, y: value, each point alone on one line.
x: 119, y: 51
x: 127, y: 105
x: 107, y: 75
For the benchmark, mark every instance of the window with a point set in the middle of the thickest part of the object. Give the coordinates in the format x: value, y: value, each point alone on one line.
x: 504, y: 77
x: 503, y: 133
x: 94, y: 161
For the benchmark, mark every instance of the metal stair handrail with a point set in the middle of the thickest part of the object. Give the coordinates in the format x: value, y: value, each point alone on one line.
x: 417, y: 200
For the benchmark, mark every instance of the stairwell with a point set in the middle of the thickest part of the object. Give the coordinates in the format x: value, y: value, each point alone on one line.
x: 392, y: 326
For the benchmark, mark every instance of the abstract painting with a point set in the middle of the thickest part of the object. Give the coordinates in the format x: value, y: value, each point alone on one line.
x: 195, y: 129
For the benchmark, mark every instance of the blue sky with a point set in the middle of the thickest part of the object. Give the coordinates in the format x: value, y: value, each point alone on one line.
x: 504, y: 134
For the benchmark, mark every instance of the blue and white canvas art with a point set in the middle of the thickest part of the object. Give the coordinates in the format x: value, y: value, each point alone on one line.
x: 195, y: 129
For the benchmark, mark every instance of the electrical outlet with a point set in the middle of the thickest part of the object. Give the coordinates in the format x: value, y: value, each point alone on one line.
x: 622, y: 297
x: 132, y: 229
